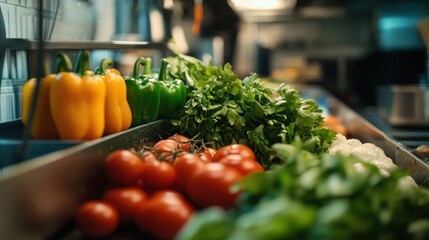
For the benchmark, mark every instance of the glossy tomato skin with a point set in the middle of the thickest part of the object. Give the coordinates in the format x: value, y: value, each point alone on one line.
x: 205, y: 157
x: 185, y: 165
x: 210, y: 185
x: 239, y: 149
x: 170, y: 195
x: 184, y: 142
x: 163, y: 215
x: 243, y: 165
x: 158, y: 175
x: 123, y: 167
x: 209, y: 151
x: 125, y: 200
x: 166, y: 148
x: 97, y: 218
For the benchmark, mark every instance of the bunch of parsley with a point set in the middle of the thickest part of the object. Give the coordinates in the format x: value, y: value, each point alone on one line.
x: 223, y: 109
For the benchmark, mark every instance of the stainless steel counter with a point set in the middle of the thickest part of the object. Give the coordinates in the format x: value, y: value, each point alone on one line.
x: 39, y: 196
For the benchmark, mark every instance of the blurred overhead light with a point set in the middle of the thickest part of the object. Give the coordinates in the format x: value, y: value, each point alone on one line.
x: 168, y: 4
x: 255, y: 10
x: 263, y: 4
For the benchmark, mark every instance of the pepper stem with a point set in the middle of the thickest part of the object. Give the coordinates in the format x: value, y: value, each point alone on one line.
x: 62, y: 63
x: 104, y: 65
x: 82, y: 62
x: 148, y: 66
x: 141, y: 61
x: 163, y: 70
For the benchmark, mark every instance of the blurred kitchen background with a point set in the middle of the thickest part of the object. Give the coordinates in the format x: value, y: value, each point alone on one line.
x: 349, y: 47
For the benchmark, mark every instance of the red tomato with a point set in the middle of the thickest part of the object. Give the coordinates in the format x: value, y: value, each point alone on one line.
x: 97, y: 218
x: 148, y: 156
x: 185, y: 165
x: 210, y: 151
x: 163, y: 215
x: 184, y: 142
x: 205, y: 157
x: 210, y: 185
x: 244, y: 165
x: 166, y: 148
x: 158, y: 175
x: 125, y: 200
x: 123, y: 167
x: 169, y: 195
x: 239, y: 149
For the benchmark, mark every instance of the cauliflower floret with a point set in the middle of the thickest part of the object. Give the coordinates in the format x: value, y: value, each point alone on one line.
x: 367, y: 152
x: 342, y: 149
x: 406, y: 182
x: 340, y: 138
x: 339, y: 145
x: 373, y: 148
x: 363, y: 153
x: 359, y: 167
x: 385, y: 163
x: 354, y: 142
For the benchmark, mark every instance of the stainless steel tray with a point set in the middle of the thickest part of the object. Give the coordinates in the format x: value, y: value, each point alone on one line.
x: 359, y: 128
x: 38, y: 197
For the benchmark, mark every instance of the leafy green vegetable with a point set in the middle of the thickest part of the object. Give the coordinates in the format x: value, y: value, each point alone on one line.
x: 320, y: 197
x: 224, y: 109
x: 213, y: 223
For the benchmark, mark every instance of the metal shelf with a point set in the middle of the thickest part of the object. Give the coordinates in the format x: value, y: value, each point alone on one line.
x: 24, y: 44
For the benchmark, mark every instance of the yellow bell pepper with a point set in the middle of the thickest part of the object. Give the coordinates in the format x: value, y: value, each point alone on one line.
x: 117, y: 111
x: 77, y: 103
x: 43, y: 126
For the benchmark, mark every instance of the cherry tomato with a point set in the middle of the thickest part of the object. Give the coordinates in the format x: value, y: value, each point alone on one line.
x: 185, y: 165
x: 163, y: 215
x: 97, y: 218
x: 166, y: 148
x: 148, y: 156
x: 244, y: 165
x: 184, y: 142
x: 169, y: 195
x: 158, y: 175
x: 210, y: 185
x: 210, y: 151
x: 123, y: 167
x: 205, y: 157
x: 125, y: 200
x: 239, y: 149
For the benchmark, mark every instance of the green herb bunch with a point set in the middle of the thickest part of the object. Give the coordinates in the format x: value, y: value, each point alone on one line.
x: 223, y: 109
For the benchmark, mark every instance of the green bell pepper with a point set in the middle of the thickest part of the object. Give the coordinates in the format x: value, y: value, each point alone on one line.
x: 173, y: 92
x: 143, y: 94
